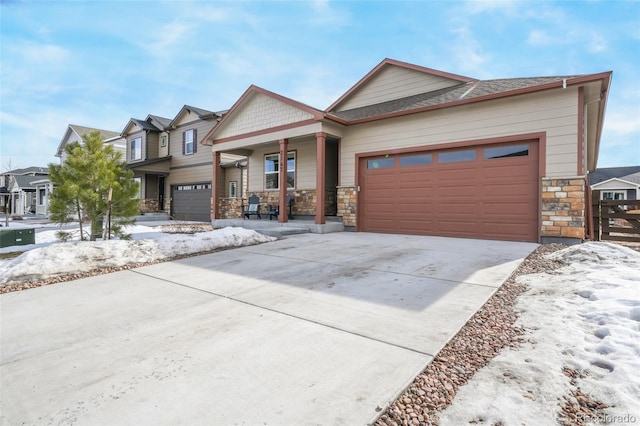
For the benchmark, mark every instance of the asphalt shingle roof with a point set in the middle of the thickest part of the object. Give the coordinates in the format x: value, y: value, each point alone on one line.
x: 630, y: 174
x: 469, y: 90
x: 162, y: 120
x: 28, y: 170
x: 105, y: 134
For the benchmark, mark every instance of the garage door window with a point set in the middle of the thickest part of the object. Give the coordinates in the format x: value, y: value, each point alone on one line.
x: 506, y: 151
x: 457, y: 156
x: 380, y: 163
x: 416, y: 160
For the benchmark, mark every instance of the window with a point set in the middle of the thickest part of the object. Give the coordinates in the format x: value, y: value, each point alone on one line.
x: 415, y: 160
x: 272, y: 170
x: 189, y: 142
x: 456, y: 156
x: 163, y: 141
x: 506, y: 151
x: 613, y: 195
x: 233, y: 189
x: 380, y: 163
x: 139, y: 181
x: 42, y: 193
x: 136, y: 149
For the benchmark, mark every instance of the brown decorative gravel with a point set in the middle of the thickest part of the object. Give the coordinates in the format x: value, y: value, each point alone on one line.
x: 481, y: 339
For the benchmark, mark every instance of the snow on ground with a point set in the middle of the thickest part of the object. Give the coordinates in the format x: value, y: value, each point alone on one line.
x: 584, y: 316
x: 48, y: 259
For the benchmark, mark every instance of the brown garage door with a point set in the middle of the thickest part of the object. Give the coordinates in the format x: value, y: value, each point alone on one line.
x: 490, y: 191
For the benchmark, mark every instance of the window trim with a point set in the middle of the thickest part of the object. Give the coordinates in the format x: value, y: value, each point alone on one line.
x: 233, y: 189
x: 132, y: 151
x: 193, y: 142
x: 613, y: 191
x: 295, y: 173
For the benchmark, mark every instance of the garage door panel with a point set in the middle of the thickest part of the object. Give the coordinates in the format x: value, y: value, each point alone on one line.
x: 191, y: 204
x: 494, y: 198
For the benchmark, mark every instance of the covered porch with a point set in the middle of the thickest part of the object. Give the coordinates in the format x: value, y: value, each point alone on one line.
x: 151, y: 175
x: 292, y: 153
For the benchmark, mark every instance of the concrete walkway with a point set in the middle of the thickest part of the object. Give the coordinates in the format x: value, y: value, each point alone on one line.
x: 310, y: 329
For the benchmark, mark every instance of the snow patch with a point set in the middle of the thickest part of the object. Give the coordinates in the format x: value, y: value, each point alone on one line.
x: 61, y: 259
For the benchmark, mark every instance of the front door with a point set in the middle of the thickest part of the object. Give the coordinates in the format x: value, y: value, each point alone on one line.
x: 161, y: 193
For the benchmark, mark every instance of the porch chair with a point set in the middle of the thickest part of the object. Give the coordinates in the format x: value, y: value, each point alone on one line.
x: 274, y: 211
x: 253, y: 208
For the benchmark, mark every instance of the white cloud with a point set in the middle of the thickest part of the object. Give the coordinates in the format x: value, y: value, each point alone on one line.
x: 541, y: 38
x: 468, y: 52
x: 597, y: 43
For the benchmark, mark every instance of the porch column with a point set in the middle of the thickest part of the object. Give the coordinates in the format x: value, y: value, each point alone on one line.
x: 282, y: 205
x: 215, y: 187
x: 321, y: 138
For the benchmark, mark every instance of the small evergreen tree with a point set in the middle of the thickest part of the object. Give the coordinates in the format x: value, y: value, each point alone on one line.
x: 91, y: 184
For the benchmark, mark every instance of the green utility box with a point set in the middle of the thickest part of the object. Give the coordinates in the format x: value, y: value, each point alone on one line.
x: 17, y: 237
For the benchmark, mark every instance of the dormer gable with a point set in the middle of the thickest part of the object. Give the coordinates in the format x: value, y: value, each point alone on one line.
x: 189, y: 114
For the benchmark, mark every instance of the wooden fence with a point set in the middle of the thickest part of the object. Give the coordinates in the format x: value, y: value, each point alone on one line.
x: 616, y: 220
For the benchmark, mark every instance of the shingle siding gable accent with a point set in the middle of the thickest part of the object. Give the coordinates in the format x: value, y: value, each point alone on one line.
x: 262, y: 112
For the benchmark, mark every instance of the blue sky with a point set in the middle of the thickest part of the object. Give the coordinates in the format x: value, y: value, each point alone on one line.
x: 99, y: 63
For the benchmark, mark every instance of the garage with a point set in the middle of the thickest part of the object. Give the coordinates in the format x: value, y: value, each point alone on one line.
x: 488, y: 191
x: 191, y: 202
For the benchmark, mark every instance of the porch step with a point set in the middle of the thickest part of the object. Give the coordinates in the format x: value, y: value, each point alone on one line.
x: 152, y: 216
x: 282, y: 231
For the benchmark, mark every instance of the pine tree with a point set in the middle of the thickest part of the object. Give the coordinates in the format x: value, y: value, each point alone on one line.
x: 82, y: 185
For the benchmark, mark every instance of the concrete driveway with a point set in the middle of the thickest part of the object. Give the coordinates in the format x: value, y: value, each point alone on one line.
x: 311, y: 329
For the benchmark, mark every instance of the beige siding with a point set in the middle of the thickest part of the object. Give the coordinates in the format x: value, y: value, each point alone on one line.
x: 553, y: 112
x: 261, y: 112
x: 305, y: 164
x: 186, y: 117
x: 203, y: 152
x: 394, y: 82
x: 153, y: 143
x: 201, y: 174
x: 163, y: 151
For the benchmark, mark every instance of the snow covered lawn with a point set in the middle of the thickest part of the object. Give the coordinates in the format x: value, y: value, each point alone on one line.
x: 49, y: 259
x: 584, y: 317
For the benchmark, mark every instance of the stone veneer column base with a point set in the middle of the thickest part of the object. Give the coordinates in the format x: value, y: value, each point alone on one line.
x: 563, y: 210
x: 348, y: 204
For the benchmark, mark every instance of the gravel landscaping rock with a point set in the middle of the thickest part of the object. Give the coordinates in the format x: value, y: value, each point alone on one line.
x: 481, y: 339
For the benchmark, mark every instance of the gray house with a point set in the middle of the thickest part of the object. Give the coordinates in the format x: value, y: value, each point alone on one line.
x: 20, y: 191
x: 616, y: 183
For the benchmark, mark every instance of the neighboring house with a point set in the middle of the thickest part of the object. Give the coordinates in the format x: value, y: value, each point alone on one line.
x: 414, y: 150
x: 20, y: 191
x: 174, y: 173
x: 616, y: 183
x: 74, y: 133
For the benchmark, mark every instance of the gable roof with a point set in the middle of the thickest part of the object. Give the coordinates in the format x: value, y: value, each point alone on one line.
x: 253, y: 89
x: 23, y: 182
x: 629, y: 174
x: 28, y: 171
x: 392, y: 62
x: 472, y: 91
x: 202, y: 114
x: 81, y: 131
x: 165, y: 122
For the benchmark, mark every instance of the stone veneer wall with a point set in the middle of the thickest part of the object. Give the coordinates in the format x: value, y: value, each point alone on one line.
x: 231, y: 208
x: 148, y: 205
x: 347, y: 204
x: 304, y: 203
x: 563, y: 208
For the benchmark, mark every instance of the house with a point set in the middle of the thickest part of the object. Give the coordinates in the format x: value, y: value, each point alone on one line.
x: 20, y: 192
x: 74, y: 133
x: 616, y: 183
x: 174, y: 173
x: 413, y: 150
